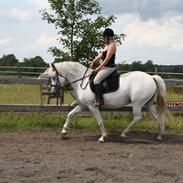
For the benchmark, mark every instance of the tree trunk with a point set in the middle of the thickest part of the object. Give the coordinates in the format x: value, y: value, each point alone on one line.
x: 72, y: 32
x: 72, y: 43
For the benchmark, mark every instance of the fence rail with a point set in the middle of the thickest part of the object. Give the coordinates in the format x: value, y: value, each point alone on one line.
x: 17, y: 67
x: 67, y: 108
x: 15, y: 80
x: 35, y: 81
x: 21, y: 71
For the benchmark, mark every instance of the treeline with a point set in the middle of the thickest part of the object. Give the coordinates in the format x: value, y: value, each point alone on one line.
x: 37, y: 61
x: 150, y: 67
x: 11, y: 60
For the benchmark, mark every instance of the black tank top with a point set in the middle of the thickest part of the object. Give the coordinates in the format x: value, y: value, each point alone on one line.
x: 111, y: 62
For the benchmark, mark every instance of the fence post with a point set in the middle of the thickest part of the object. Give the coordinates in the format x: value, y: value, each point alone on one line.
x: 156, y: 71
x: 19, y: 71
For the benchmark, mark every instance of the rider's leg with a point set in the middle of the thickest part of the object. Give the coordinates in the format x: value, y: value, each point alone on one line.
x: 101, y: 75
x: 98, y: 95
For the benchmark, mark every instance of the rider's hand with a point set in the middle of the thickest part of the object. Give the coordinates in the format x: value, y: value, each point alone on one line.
x: 97, y: 69
x: 91, y: 65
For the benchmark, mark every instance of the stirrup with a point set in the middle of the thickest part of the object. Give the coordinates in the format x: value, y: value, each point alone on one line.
x: 98, y: 103
x: 98, y: 95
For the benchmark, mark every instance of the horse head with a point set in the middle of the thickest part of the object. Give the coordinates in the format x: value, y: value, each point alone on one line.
x: 57, y: 79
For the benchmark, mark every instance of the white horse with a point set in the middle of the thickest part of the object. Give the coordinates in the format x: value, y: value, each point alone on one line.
x: 136, y: 88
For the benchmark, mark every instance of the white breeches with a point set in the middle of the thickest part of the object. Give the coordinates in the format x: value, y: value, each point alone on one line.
x: 102, y: 74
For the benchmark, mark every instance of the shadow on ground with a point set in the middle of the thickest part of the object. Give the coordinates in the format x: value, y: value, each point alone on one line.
x: 140, y: 137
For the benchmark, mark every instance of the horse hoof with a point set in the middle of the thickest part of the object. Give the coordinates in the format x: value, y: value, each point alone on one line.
x: 159, y: 137
x: 63, y: 134
x: 123, y: 135
x: 101, y: 140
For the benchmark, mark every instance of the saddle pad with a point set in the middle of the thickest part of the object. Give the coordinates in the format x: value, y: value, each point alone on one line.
x: 110, y: 84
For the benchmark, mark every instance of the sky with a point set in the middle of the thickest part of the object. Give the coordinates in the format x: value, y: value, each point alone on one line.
x: 154, y: 29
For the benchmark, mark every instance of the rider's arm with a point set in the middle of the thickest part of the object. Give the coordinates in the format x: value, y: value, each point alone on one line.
x: 111, y: 50
x: 97, y: 58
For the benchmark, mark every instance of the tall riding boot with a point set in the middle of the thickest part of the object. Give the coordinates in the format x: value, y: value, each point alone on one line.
x: 98, y: 95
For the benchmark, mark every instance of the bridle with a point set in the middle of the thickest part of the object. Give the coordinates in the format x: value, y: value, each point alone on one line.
x: 75, y: 81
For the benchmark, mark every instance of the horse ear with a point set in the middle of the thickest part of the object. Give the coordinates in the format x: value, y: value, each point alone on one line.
x: 53, y: 66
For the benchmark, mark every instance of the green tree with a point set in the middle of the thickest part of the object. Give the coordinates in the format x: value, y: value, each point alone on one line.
x: 178, y: 68
x: 34, y: 62
x: 9, y: 60
x: 149, y: 66
x: 137, y: 66
x: 79, y: 24
x: 59, y: 55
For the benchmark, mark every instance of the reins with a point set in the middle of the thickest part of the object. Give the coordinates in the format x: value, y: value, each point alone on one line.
x: 84, y: 76
x: 75, y: 81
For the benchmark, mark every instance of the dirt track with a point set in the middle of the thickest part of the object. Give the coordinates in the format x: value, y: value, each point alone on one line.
x: 43, y: 157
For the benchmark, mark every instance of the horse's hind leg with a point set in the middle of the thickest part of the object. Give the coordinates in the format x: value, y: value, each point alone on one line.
x: 137, y: 111
x: 154, y: 113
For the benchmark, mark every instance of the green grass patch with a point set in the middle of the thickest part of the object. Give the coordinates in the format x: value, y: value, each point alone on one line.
x: 25, y: 94
x: 30, y: 94
x: 113, y: 122
x: 174, y: 96
x: 29, y: 121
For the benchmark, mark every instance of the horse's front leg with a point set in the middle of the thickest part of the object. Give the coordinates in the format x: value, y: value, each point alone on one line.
x: 76, y: 110
x: 99, y: 119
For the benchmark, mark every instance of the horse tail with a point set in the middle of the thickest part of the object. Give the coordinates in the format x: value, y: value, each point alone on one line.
x: 161, y: 104
x: 161, y: 92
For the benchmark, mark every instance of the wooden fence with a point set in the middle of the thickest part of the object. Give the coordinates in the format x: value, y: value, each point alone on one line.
x: 66, y: 108
x: 21, y: 71
x: 35, y: 81
x: 15, y: 80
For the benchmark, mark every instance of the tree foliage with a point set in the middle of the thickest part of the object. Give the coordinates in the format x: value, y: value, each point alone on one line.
x: 9, y: 60
x: 150, y: 67
x: 34, y: 62
x: 79, y: 24
x: 138, y: 66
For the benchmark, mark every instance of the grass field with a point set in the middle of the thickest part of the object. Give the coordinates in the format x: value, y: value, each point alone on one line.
x: 113, y: 122
x: 27, y: 94
x: 30, y: 94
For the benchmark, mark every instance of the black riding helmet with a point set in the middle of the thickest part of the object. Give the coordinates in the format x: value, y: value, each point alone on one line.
x: 108, y: 33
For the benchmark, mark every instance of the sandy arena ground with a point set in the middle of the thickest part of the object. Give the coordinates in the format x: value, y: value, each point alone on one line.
x: 42, y: 157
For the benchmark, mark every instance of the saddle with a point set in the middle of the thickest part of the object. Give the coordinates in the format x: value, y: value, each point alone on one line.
x: 110, y: 84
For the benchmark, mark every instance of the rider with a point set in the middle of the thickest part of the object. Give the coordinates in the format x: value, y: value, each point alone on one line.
x: 107, y: 65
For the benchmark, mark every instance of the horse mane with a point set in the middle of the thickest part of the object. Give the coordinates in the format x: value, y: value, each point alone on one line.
x: 72, y: 67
